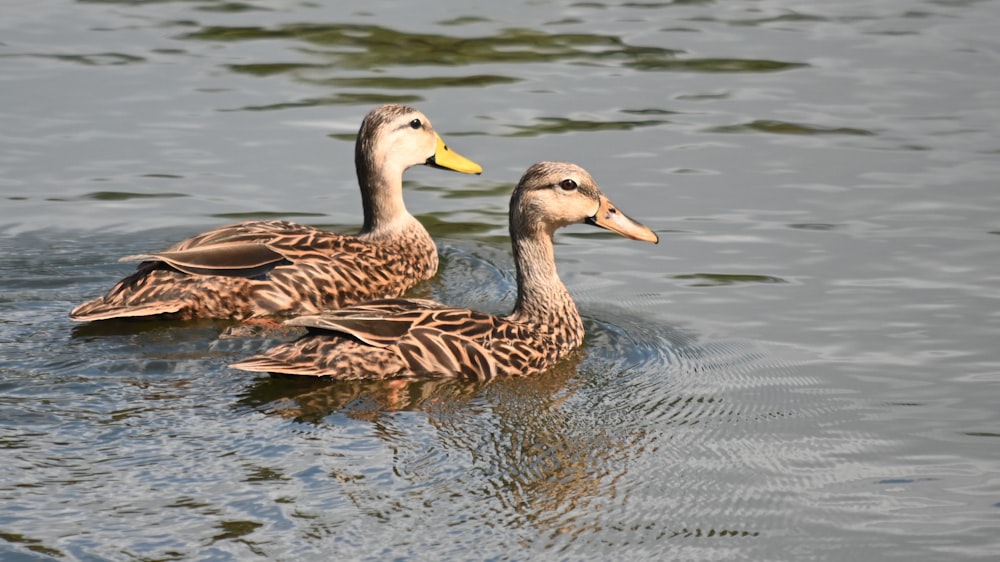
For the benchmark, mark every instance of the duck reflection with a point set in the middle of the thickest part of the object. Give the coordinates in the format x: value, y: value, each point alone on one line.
x: 533, y: 446
x: 311, y: 400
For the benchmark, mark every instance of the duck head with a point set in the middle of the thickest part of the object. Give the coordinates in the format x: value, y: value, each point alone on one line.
x: 552, y: 195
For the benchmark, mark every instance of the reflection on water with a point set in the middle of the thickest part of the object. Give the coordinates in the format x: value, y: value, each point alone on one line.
x: 805, y: 368
x: 785, y: 128
x: 310, y: 400
x: 549, y: 125
x: 710, y: 279
x: 370, y: 47
x: 124, y: 196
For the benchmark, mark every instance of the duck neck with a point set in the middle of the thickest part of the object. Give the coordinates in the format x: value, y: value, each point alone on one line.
x: 381, y: 183
x: 542, y: 298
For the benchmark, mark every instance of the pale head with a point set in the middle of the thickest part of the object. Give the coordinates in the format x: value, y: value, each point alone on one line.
x: 552, y: 195
x: 391, y: 139
x: 395, y: 137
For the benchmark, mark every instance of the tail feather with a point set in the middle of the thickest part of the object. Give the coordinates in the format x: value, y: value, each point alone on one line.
x: 100, y: 309
x: 264, y: 364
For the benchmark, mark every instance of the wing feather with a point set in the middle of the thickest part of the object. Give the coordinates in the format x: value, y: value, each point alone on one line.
x: 430, y: 351
x: 231, y: 259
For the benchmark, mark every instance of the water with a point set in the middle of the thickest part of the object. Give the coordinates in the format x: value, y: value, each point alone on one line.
x: 805, y: 368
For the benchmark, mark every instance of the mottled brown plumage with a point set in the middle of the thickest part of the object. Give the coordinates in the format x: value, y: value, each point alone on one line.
x: 264, y: 268
x: 421, y: 338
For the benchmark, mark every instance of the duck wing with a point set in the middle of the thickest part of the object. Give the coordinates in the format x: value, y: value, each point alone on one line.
x: 229, y: 259
x: 429, y: 338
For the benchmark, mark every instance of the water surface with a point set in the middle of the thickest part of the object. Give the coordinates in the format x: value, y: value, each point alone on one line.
x: 804, y: 368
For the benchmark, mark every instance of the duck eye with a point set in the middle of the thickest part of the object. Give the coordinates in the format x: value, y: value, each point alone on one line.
x: 567, y: 185
x: 416, y: 124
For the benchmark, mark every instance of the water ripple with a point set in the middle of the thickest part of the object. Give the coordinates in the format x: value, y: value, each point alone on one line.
x: 788, y: 128
x: 364, y: 47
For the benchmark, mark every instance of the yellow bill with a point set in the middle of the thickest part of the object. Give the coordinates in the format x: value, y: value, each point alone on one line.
x: 447, y: 158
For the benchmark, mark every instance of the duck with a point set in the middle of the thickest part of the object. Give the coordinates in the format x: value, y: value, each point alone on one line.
x: 407, y: 338
x: 274, y: 268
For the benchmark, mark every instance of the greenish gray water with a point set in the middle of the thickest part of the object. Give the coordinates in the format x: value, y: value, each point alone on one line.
x: 805, y: 368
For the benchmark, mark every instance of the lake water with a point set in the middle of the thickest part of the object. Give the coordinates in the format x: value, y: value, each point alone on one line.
x: 805, y: 368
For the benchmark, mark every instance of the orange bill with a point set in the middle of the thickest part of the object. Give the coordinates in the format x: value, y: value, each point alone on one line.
x: 609, y: 217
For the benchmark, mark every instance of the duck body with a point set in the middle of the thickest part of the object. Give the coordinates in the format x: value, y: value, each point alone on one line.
x: 416, y: 338
x: 265, y: 268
